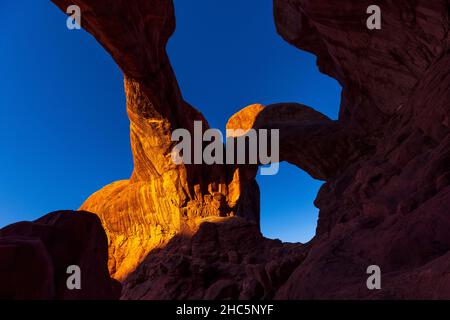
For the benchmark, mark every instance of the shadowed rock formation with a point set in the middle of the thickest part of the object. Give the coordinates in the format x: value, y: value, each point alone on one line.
x: 160, y: 199
x: 389, y: 207
x: 34, y: 257
x: 385, y: 161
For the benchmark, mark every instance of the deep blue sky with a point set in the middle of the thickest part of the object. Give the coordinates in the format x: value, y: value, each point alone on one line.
x: 64, y: 131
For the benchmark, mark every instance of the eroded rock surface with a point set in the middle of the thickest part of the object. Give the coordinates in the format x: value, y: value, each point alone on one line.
x: 161, y: 199
x: 35, y: 256
x: 389, y: 207
x: 386, y: 161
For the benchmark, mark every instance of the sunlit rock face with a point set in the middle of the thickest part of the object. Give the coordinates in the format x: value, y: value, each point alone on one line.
x: 225, y: 259
x: 161, y: 199
x: 305, y: 136
x: 385, y: 161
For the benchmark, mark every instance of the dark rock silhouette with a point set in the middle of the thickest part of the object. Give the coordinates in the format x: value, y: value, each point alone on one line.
x: 386, y: 162
x: 35, y: 257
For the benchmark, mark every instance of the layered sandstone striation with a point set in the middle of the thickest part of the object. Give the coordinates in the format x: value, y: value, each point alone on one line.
x: 386, y: 161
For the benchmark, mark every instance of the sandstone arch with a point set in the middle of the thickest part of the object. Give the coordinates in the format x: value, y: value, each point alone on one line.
x: 162, y: 199
x: 387, y: 192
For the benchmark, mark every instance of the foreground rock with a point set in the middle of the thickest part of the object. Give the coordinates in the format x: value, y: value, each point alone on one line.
x: 226, y: 259
x: 161, y: 199
x: 34, y: 257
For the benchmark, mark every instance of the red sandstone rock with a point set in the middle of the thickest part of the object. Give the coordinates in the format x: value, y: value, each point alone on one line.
x: 26, y: 269
x: 200, y: 267
x: 161, y: 199
x: 390, y: 206
x: 35, y: 257
x: 385, y: 161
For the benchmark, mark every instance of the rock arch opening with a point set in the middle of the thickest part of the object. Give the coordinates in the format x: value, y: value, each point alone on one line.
x: 228, y: 59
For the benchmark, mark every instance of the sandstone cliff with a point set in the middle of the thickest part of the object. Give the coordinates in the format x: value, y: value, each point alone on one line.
x: 385, y: 161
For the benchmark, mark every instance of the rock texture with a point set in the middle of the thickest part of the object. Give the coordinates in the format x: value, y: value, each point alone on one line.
x: 160, y: 199
x: 385, y: 161
x: 305, y: 136
x: 34, y: 257
x: 226, y: 259
x: 390, y: 206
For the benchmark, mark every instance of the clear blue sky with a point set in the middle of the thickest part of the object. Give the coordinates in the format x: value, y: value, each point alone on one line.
x: 64, y: 131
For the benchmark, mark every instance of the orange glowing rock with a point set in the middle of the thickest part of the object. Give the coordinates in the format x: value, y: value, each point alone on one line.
x: 162, y: 199
x: 388, y: 185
